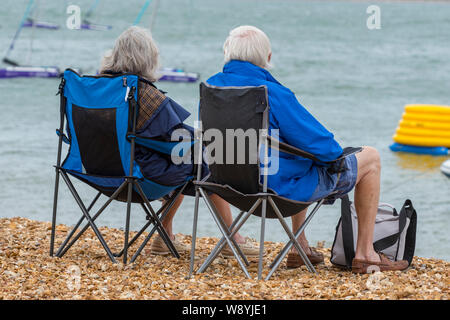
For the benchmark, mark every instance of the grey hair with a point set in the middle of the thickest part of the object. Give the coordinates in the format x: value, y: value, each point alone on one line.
x: 136, y: 52
x: 248, y: 43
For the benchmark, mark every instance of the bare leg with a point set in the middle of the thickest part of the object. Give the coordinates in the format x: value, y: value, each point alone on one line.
x: 367, y: 193
x: 222, y: 207
x: 167, y: 222
x: 225, y: 212
x: 297, y: 221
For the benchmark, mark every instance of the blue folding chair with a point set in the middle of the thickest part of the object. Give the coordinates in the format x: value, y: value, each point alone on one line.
x: 101, y: 114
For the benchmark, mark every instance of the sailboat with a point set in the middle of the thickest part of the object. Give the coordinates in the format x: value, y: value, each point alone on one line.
x: 30, y: 72
x: 31, y: 22
x: 177, y: 75
x: 15, y: 69
x: 85, y: 24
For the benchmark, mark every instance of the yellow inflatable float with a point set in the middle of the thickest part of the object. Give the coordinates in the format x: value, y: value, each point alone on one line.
x: 424, y: 126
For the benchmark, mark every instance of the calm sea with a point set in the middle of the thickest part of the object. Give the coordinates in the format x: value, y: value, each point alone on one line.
x: 356, y: 81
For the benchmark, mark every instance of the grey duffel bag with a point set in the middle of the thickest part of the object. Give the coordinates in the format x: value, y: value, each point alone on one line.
x: 394, y: 234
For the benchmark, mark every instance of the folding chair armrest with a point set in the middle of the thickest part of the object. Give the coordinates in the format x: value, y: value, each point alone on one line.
x: 348, y: 151
x: 337, y: 165
x: 165, y: 147
x: 287, y: 148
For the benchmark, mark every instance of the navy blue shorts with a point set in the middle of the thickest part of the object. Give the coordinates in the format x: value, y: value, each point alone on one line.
x: 329, y: 183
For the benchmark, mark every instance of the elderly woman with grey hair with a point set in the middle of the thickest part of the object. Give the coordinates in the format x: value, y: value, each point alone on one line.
x: 248, y: 53
x: 136, y: 52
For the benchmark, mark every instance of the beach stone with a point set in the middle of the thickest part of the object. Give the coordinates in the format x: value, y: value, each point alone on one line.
x: 85, y: 272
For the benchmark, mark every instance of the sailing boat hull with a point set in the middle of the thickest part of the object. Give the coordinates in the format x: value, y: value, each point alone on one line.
x: 29, y: 72
x: 54, y: 72
x: 41, y: 25
x: 95, y: 27
x: 445, y: 168
x: 175, y: 75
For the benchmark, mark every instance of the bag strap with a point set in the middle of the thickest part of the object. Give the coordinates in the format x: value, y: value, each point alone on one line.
x: 410, y: 239
x: 347, y: 231
x: 388, y: 241
x: 390, y: 206
x: 405, y: 212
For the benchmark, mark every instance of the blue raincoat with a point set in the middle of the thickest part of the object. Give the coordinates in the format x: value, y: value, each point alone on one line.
x: 297, y: 177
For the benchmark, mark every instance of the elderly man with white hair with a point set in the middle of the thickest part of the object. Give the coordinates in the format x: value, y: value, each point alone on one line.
x: 247, y: 52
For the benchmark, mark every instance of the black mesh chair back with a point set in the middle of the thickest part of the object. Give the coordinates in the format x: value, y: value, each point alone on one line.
x: 236, y: 114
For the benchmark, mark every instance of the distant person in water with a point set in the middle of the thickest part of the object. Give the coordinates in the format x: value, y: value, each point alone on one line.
x: 248, y: 53
x: 136, y: 52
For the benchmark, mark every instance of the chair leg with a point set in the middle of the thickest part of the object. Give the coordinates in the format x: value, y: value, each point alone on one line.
x: 288, y: 246
x: 113, y: 196
x: 165, y: 238
x: 133, y: 240
x: 75, y: 228
x: 221, y: 244
x: 194, y: 233
x: 150, y: 213
x: 144, y: 243
x: 159, y: 227
x: 88, y: 217
x: 235, y: 227
x: 127, y: 222
x: 292, y: 238
x: 262, y: 237
x: 302, y: 227
x: 224, y: 232
x: 158, y: 224
x: 229, y: 231
x: 165, y: 210
x: 55, y: 206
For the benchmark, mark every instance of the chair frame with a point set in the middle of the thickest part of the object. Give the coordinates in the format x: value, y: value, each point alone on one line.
x: 264, y: 198
x: 129, y: 182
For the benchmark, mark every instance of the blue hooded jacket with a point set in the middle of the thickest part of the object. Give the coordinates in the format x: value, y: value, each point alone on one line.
x: 297, y: 177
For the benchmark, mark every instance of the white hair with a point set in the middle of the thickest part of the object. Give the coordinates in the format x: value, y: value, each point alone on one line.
x: 248, y: 43
x: 135, y: 52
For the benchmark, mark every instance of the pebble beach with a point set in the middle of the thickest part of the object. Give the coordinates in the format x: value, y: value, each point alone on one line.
x: 86, y: 273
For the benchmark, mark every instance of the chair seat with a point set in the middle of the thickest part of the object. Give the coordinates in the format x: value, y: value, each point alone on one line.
x: 244, y: 202
x: 108, y: 185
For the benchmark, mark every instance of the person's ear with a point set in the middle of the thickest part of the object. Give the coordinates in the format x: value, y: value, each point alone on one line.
x: 269, y: 57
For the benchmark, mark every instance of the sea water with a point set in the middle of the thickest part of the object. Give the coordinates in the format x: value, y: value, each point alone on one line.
x: 354, y: 79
